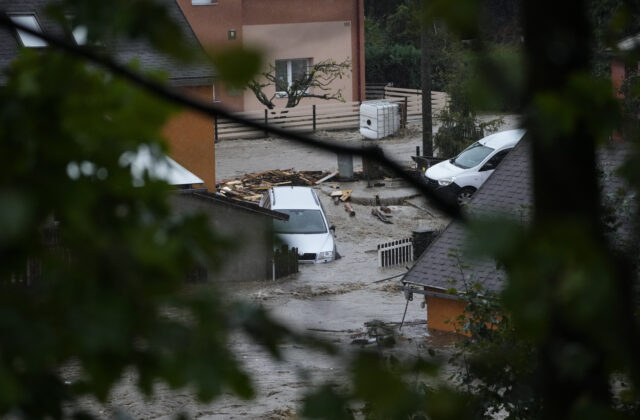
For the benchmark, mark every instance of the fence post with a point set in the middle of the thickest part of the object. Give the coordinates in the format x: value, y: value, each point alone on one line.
x: 215, y: 128
x: 406, y: 111
x: 314, y: 117
x: 266, y: 121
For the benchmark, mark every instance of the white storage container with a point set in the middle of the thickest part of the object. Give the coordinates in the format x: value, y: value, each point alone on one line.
x: 379, y: 119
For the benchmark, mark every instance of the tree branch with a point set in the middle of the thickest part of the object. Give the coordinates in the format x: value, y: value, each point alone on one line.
x: 171, y: 95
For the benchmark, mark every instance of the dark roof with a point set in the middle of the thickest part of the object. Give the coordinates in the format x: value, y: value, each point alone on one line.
x: 124, y: 51
x: 509, y: 193
x: 240, y: 205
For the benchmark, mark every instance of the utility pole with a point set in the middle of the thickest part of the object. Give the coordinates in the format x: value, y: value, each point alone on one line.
x: 425, y: 65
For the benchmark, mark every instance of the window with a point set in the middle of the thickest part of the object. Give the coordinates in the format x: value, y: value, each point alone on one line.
x: 495, y: 160
x: 27, y: 39
x: 203, y: 2
x: 472, y: 156
x: 301, y: 222
x: 288, y: 71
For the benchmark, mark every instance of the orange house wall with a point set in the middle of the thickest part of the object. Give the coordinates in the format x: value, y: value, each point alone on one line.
x: 191, y: 138
x: 439, y: 310
x: 212, y: 23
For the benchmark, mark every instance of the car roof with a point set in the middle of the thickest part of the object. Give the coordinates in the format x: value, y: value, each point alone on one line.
x: 503, y: 139
x: 298, y: 198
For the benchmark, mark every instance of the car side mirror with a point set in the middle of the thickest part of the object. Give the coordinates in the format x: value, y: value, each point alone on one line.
x: 488, y: 166
x: 333, y: 228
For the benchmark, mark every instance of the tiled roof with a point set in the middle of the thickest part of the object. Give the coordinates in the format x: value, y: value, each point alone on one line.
x: 507, y: 192
x: 180, y: 74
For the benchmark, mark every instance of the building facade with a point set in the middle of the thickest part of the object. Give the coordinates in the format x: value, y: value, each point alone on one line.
x: 292, y: 34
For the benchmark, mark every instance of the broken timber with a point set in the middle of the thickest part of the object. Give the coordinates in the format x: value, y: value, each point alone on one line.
x: 326, y: 178
x: 250, y: 187
x: 349, y: 209
x: 345, y: 196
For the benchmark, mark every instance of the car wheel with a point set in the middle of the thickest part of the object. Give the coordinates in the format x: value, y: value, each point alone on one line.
x: 465, y: 195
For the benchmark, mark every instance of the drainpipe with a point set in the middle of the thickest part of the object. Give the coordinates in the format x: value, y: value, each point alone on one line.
x: 359, y: 38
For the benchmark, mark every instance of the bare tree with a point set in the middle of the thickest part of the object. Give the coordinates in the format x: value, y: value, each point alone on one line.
x: 315, y: 82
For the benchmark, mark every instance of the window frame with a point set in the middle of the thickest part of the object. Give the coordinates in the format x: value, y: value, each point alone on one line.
x: 289, y: 61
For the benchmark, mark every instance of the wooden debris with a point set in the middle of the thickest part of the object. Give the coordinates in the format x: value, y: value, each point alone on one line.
x: 345, y: 195
x: 326, y: 178
x: 385, y: 209
x: 349, y: 209
x: 250, y: 187
x: 380, y: 215
x: 337, y: 194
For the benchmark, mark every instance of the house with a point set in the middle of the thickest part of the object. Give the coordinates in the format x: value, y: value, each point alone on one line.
x: 507, y: 193
x: 293, y: 35
x: 190, y: 135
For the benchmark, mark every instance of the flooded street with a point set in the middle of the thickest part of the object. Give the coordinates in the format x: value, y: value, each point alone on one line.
x: 333, y: 301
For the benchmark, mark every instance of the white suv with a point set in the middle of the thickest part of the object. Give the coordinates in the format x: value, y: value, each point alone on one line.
x: 307, y: 228
x: 459, y: 177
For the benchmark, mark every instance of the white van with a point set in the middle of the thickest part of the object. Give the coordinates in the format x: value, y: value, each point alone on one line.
x: 307, y: 228
x: 459, y: 177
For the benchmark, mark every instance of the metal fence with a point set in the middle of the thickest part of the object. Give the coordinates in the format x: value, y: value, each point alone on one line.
x: 395, y: 252
x: 285, y: 262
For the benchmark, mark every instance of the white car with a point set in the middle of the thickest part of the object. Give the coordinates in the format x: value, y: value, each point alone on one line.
x: 307, y: 228
x: 459, y: 177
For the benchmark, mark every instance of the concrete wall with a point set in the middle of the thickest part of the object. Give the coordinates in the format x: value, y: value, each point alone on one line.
x: 191, y: 138
x: 249, y: 232
x: 440, y: 310
x: 211, y: 25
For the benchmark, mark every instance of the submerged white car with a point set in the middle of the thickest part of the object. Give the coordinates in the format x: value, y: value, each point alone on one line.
x: 459, y: 177
x: 307, y: 228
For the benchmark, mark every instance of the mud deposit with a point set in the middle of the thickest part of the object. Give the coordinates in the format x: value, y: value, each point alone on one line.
x: 332, y: 300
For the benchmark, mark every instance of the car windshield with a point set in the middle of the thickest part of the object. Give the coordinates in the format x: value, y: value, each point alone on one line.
x: 301, y: 221
x: 472, y: 156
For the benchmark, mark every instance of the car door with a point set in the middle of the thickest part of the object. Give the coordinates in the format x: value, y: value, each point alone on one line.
x: 490, y: 165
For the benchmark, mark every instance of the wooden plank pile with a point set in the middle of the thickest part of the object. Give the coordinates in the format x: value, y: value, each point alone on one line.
x: 251, y: 186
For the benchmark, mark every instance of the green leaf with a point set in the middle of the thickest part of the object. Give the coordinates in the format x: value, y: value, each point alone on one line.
x: 236, y: 67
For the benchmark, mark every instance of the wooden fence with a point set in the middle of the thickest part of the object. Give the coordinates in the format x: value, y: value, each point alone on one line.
x: 329, y: 116
x: 375, y: 91
x: 413, y: 100
x: 395, y: 252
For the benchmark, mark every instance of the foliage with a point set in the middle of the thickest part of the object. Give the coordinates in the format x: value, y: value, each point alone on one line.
x: 468, y: 90
x: 457, y: 131
x: 107, y: 290
x: 113, y: 297
x: 497, y: 365
x: 397, y: 64
x: 392, y: 44
x: 314, y: 83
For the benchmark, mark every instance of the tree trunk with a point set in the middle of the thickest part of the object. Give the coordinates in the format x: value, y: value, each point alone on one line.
x: 566, y: 196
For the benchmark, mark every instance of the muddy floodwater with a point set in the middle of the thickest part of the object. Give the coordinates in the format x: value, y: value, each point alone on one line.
x: 332, y: 300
